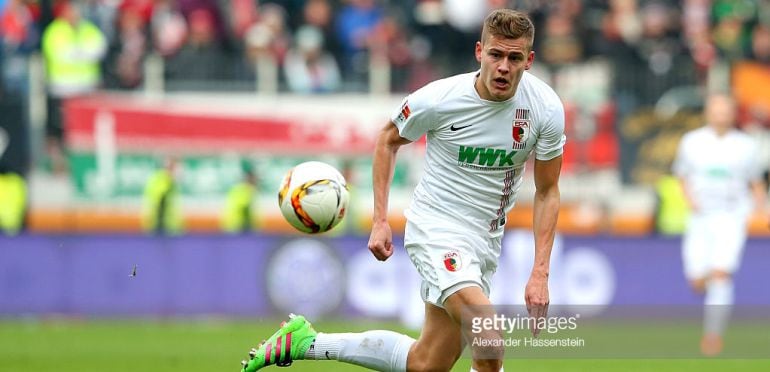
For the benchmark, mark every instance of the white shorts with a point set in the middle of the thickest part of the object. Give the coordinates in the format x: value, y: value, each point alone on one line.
x: 713, y: 241
x: 450, y: 257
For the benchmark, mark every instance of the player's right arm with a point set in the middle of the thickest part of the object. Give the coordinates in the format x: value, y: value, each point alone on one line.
x: 692, y: 203
x: 383, y: 165
x: 408, y: 123
x: 759, y: 192
x: 680, y: 168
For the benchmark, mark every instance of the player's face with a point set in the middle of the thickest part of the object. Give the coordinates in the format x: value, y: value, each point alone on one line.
x: 720, y: 112
x: 503, y: 62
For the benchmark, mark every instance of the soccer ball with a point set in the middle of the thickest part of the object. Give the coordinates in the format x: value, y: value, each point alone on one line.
x: 313, y: 197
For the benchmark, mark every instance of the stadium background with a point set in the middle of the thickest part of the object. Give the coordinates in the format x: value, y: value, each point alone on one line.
x: 216, y: 84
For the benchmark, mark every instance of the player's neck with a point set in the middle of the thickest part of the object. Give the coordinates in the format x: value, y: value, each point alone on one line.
x: 720, y: 131
x: 481, y: 90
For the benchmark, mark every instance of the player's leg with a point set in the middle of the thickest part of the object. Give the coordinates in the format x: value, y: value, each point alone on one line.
x: 728, y: 249
x: 297, y: 340
x: 439, y: 345
x: 698, y: 285
x: 438, y: 348
x: 695, y: 252
x: 716, y: 314
x: 472, y: 303
x: 441, y: 342
x: 443, y: 257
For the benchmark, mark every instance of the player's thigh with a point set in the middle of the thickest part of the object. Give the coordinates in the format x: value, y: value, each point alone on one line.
x: 440, y: 343
x: 697, y: 246
x: 468, y: 301
x: 470, y: 306
x: 728, y: 242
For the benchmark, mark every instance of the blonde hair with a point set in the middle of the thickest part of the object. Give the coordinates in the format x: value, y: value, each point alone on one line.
x: 509, y: 24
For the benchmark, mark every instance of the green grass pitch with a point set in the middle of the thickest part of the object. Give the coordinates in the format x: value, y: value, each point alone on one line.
x: 219, y: 345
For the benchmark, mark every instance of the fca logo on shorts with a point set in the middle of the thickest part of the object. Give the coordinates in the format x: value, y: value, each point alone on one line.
x: 452, y: 261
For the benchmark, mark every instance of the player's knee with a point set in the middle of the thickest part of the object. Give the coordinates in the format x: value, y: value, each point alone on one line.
x: 720, y: 275
x: 698, y: 285
x: 488, y: 347
x: 483, y: 365
x: 486, y: 342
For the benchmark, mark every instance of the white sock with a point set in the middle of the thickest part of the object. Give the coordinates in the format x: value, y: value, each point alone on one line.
x: 378, y: 350
x: 718, y: 305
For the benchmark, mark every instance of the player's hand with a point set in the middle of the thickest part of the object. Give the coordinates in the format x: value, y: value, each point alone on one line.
x: 537, y: 299
x: 381, y: 241
x: 692, y: 205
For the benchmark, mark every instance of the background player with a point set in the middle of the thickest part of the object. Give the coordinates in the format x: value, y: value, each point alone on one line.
x: 481, y: 129
x: 720, y: 173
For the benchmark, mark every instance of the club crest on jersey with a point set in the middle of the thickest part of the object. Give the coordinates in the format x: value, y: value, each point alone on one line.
x: 405, y: 112
x: 520, y: 129
x: 452, y: 261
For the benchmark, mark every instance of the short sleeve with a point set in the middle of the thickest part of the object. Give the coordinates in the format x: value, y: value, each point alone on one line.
x: 415, y: 116
x: 755, y: 171
x: 551, y: 139
x: 680, y: 166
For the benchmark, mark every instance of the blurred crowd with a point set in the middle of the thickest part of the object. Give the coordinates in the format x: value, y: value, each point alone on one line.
x: 328, y: 45
x: 607, y: 59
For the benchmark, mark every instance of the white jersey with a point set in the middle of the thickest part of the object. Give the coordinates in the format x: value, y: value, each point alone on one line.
x: 718, y: 170
x: 476, y: 149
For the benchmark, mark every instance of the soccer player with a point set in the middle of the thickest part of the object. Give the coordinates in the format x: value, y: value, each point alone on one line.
x: 719, y: 170
x: 481, y: 128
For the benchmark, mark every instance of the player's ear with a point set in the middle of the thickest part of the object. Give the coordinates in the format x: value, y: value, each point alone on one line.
x: 530, y: 60
x: 478, y: 51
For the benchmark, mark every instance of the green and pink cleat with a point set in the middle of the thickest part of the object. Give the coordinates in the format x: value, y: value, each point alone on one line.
x: 287, y: 344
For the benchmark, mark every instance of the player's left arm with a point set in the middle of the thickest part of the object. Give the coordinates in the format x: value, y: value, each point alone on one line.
x: 759, y: 191
x: 757, y: 183
x: 548, y: 159
x: 546, y: 212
